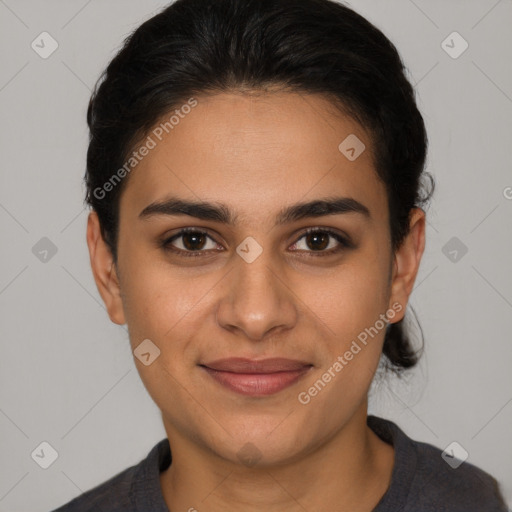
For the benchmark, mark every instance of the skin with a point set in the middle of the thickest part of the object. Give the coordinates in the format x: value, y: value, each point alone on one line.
x: 258, y: 154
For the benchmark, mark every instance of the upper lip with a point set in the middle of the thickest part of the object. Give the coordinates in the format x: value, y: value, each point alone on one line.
x: 242, y: 365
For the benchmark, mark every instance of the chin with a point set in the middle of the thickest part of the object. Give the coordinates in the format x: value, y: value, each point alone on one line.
x: 260, y: 442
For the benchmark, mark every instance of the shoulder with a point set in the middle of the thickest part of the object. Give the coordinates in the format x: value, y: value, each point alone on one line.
x: 127, y: 490
x: 114, y: 492
x: 445, y: 485
x: 427, y: 479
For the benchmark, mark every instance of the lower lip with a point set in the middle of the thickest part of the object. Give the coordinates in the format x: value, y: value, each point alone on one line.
x: 257, y: 384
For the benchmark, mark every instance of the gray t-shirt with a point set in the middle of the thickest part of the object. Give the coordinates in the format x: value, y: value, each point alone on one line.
x: 421, y: 482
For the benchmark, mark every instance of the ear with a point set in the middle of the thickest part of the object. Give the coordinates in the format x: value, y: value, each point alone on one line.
x: 407, y: 261
x: 104, y: 270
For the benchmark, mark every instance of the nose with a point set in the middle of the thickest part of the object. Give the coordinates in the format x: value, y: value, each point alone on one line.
x: 257, y: 302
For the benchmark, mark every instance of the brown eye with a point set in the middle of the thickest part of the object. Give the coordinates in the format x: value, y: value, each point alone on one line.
x: 193, y: 240
x: 193, y: 243
x: 318, y: 240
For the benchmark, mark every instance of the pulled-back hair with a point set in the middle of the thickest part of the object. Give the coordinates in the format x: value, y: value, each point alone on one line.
x: 196, y: 47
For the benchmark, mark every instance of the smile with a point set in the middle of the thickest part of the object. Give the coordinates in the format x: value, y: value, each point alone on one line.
x: 256, y: 378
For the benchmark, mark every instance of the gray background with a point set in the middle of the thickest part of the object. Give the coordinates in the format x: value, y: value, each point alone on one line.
x: 67, y: 375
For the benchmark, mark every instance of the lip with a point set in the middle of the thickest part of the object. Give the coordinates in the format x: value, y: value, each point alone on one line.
x: 256, y: 378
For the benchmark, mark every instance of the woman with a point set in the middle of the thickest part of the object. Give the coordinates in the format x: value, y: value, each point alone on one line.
x: 255, y: 172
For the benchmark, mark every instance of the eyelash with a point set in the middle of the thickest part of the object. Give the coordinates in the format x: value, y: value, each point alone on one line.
x: 344, y: 243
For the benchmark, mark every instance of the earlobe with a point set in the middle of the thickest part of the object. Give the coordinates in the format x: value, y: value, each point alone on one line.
x: 407, y: 261
x: 104, y: 270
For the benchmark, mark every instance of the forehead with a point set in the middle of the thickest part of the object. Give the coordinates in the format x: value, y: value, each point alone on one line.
x: 256, y: 153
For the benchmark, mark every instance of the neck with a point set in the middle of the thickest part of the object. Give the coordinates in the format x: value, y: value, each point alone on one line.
x: 349, y: 472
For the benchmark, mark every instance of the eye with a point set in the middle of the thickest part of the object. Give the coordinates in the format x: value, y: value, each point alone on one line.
x: 194, y: 242
x: 317, y: 241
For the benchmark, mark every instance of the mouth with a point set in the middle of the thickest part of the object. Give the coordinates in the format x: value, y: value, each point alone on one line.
x: 256, y: 378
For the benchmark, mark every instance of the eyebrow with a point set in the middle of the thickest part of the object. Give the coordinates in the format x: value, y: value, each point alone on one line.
x: 219, y: 212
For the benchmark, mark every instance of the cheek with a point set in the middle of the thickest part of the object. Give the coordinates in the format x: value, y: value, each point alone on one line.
x: 161, y: 303
x: 152, y: 299
x: 350, y: 300
x: 352, y: 306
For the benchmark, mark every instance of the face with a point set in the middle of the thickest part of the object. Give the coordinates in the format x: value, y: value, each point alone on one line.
x: 264, y: 272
